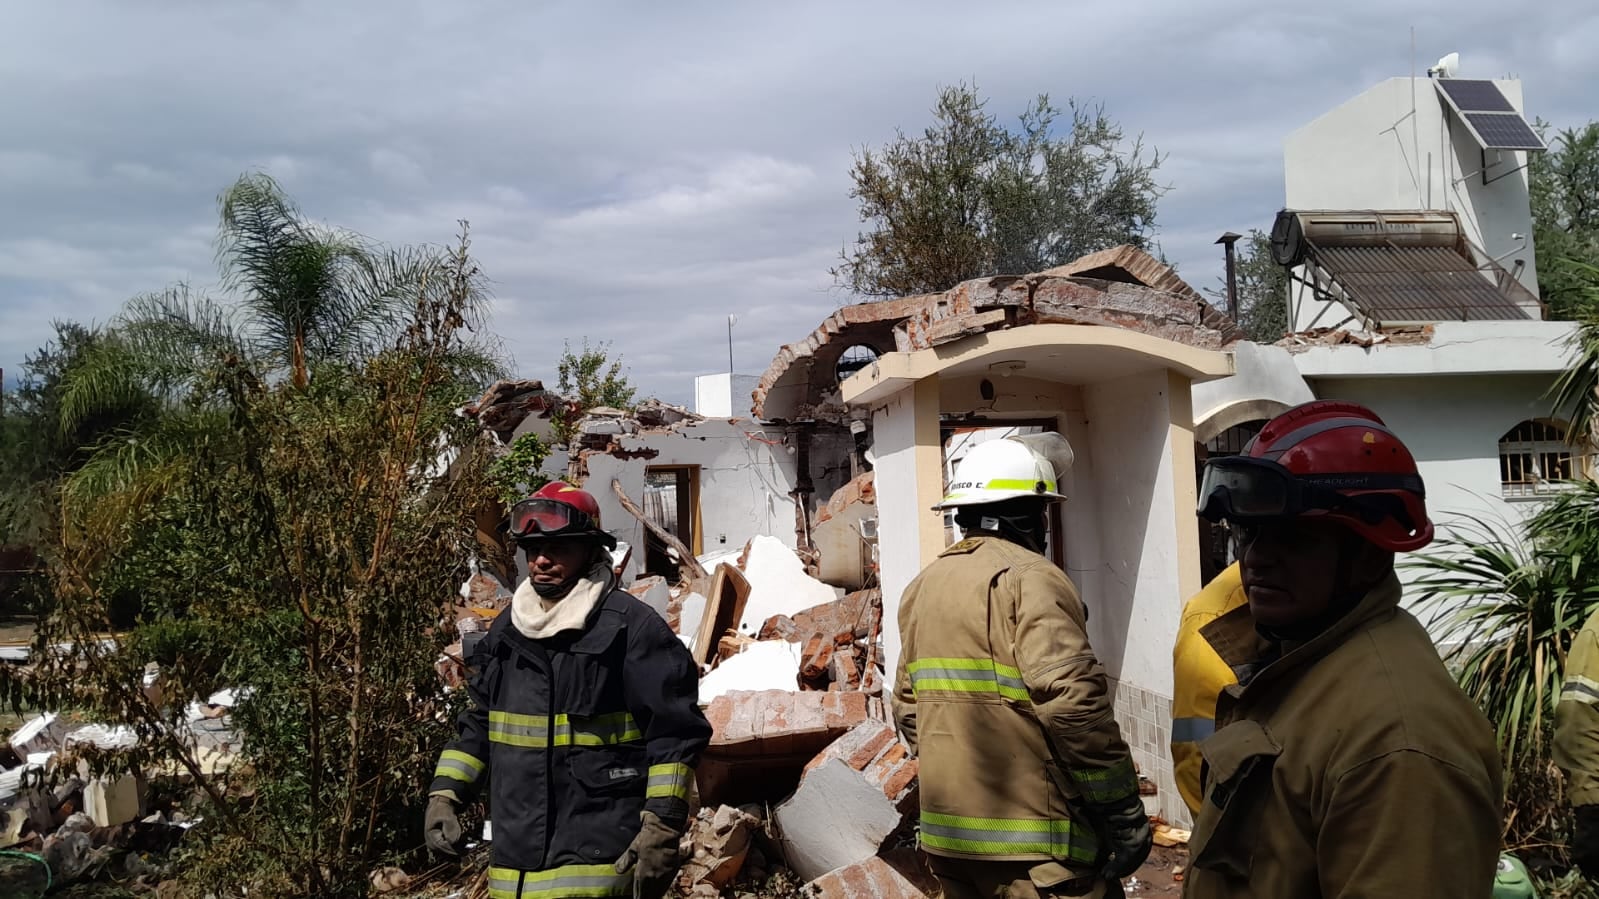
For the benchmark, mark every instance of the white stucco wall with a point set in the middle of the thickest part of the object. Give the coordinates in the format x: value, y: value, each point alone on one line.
x: 1262, y: 373
x: 1453, y: 425
x: 1344, y: 160
x: 898, y: 543
x: 744, y: 482
x: 1135, y: 605
x: 724, y: 395
x: 1456, y: 348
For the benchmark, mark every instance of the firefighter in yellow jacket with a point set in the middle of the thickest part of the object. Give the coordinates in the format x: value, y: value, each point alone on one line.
x: 1198, y: 676
x: 1577, y: 743
x: 1027, y: 788
x: 1346, y: 760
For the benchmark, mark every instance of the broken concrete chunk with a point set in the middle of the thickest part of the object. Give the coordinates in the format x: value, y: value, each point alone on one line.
x: 229, y: 697
x: 780, y: 627
x: 860, y: 491
x: 843, y: 673
x: 720, y: 842
x: 482, y: 591
x: 653, y: 592
x: 102, y: 737
x: 12, y: 824
x: 778, y: 584
x: 109, y: 801
x: 768, y: 665
x: 841, y: 619
x: 451, y: 667
x: 856, y: 793
x: 69, y: 855
x: 817, y: 655
x: 688, y: 619
x: 761, y: 742
x: 41, y: 734
x: 896, y: 875
x: 389, y: 879
x: 652, y: 413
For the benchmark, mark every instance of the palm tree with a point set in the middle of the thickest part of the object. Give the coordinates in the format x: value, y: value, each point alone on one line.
x: 301, y: 296
x: 308, y: 293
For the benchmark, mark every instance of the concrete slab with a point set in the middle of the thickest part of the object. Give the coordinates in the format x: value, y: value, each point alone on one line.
x: 853, y: 796
x: 778, y: 584
x: 768, y: 665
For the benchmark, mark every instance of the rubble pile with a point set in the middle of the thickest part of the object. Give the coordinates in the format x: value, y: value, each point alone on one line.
x: 504, y: 406
x: 804, y: 772
x: 82, y: 825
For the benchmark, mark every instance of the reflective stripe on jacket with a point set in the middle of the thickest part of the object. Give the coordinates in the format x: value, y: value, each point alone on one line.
x: 1347, y: 765
x: 576, y: 735
x: 1198, y: 675
x: 1576, y: 748
x: 1007, y: 708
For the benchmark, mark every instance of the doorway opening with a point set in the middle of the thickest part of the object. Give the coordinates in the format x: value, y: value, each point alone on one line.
x: 958, y: 437
x: 672, y: 502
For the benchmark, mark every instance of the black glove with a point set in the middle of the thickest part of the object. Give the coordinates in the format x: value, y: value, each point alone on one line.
x: 1585, y: 841
x: 441, y: 829
x: 1124, y: 827
x: 656, y: 854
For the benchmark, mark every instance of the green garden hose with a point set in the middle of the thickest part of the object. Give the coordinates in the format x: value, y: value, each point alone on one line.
x: 49, y: 879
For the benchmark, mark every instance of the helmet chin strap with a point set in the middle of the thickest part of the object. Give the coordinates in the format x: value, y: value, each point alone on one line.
x: 556, y: 591
x: 559, y: 591
x: 1022, y: 525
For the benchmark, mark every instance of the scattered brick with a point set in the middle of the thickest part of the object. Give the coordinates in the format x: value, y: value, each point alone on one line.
x: 895, y: 875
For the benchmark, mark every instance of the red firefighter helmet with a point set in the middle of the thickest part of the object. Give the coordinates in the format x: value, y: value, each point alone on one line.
x: 559, y: 510
x: 1330, y: 459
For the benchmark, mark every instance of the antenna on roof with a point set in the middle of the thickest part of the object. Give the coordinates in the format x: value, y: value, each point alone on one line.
x: 1448, y: 67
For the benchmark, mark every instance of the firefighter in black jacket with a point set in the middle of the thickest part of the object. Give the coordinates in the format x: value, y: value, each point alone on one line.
x: 585, y: 718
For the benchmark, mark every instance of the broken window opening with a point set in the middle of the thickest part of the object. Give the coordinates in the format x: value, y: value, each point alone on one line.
x: 852, y: 360
x: 672, y: 502
x: 1535, y: 459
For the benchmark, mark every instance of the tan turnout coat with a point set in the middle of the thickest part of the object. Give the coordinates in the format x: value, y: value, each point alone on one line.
x: 1350, y: 766
x: 1008, y: 709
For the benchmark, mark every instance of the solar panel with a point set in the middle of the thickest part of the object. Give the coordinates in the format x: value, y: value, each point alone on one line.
x: 1475, y: 96
x: 1501, y: 131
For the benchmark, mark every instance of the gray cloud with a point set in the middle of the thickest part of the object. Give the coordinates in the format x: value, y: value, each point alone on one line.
x: 637, y: 172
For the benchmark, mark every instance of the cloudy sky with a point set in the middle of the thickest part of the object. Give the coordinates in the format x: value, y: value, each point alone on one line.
x: 634, y: 172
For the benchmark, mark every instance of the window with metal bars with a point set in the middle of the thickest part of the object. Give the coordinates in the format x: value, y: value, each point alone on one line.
x: 1535, y: 459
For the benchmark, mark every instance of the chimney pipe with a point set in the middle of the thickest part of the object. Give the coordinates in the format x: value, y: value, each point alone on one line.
x: 1227, y: 240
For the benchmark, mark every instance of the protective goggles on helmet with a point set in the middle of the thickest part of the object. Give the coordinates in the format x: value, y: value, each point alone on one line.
x: 548, y: 518
x: 1242, y: 487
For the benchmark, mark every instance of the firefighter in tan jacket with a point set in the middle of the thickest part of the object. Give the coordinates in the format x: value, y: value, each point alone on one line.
x: 1577, y: 743
x: 1346, y: 762
x: 1027, y: 788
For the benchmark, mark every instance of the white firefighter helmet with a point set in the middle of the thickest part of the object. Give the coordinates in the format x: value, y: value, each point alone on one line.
x: 1028, y: 465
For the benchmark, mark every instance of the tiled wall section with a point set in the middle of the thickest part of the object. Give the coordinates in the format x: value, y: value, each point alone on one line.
x: 1145, y: 719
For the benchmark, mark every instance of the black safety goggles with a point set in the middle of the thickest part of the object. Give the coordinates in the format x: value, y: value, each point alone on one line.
x: 548, y: 518
x: 1241, y: 487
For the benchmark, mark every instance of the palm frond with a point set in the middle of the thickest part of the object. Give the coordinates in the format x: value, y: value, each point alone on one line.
x: 105, y: 377
x: 1575, y: 394
x: 312, y: 293
x: 132, y: 468
x: 1506, y: 610
x: 158, y: 347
